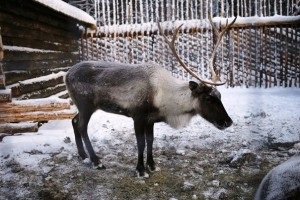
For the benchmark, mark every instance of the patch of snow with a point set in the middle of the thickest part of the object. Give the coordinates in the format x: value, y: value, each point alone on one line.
x: 5, y: 91
x: 249, y: 131
x: 42, y: 101
x: 21, y: 125
x: 27, y: 49
x: 68, y: 10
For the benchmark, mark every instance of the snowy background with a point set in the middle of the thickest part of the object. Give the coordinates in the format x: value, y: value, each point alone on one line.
x: 200, y: 161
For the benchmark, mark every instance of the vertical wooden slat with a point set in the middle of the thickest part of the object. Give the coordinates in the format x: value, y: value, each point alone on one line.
x: 275, y: 56
x: 239, y: 60
x: 87, y: 46
x: 257, y: 52
x: 82, y: 46
x: 286, y: 65
x: 248, y: 63
x: 297, y: 62
x: 92, y: 44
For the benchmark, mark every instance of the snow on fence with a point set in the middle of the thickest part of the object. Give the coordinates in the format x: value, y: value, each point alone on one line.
x: 261, y: 50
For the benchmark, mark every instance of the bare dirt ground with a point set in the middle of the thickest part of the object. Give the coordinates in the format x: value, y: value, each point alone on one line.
x: 189, y: 173
x: 197, y: 162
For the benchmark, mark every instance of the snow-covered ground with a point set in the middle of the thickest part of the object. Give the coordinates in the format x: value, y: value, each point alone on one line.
x: 264, y: 120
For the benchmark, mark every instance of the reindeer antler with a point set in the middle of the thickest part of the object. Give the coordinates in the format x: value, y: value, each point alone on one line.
x: 171, y: 44
x: 219, y: 35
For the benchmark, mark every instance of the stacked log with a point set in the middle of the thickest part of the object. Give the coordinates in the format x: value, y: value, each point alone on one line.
x: 45, y: 109
x: 8, y: 129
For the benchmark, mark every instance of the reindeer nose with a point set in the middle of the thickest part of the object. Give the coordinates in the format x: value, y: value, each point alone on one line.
x: 228, y: 123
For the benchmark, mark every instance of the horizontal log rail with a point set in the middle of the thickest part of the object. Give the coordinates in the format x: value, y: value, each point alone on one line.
x: 150, y: 28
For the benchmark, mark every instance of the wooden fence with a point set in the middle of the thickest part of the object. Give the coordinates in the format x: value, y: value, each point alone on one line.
x: 262, y: 49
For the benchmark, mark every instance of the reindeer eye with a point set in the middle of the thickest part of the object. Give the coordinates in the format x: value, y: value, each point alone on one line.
x: 207, y: 99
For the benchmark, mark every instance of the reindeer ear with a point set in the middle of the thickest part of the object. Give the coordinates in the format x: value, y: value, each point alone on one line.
x: 196, y: 88
x: 193, y: 85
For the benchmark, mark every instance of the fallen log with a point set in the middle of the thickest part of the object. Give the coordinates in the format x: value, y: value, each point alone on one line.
x: 38, y: 116
x: 12, y: 128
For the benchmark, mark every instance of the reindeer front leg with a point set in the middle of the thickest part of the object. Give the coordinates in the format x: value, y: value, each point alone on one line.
x: 139, y: 127
x: 149, y: 139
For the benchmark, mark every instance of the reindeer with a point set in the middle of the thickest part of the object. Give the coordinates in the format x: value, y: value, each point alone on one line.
x: 282, y: 182
x: 145, y: 92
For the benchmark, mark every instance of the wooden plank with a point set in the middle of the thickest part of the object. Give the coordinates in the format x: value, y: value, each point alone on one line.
x: 38, y: 116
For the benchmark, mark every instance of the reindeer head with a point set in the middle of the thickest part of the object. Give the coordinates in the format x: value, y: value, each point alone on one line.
x: 208, y: 98
x: 208, y: 105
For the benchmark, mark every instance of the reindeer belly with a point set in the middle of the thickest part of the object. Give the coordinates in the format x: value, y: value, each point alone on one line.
x: 114, y: 108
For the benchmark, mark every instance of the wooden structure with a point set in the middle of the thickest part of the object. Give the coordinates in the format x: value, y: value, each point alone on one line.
x: 261, y: 50
x: 39, y: 39
x: 40, y: 43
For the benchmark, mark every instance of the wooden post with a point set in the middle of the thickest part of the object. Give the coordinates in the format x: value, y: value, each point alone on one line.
x: 92, y: 44
x: 2, y: 76
x: 82, y: 47
x: 86, y: 45
x: 5, y: 94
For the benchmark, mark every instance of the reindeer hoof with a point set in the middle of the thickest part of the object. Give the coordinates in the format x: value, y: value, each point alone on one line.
x: 153, y: 168
x: 99, y: 166
x: 86, y: 161
x: 157, y: 169
x: 142, y: 174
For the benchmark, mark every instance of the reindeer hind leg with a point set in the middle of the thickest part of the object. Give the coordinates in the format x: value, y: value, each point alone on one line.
x: 84, y: 118
x: 78, y: 138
